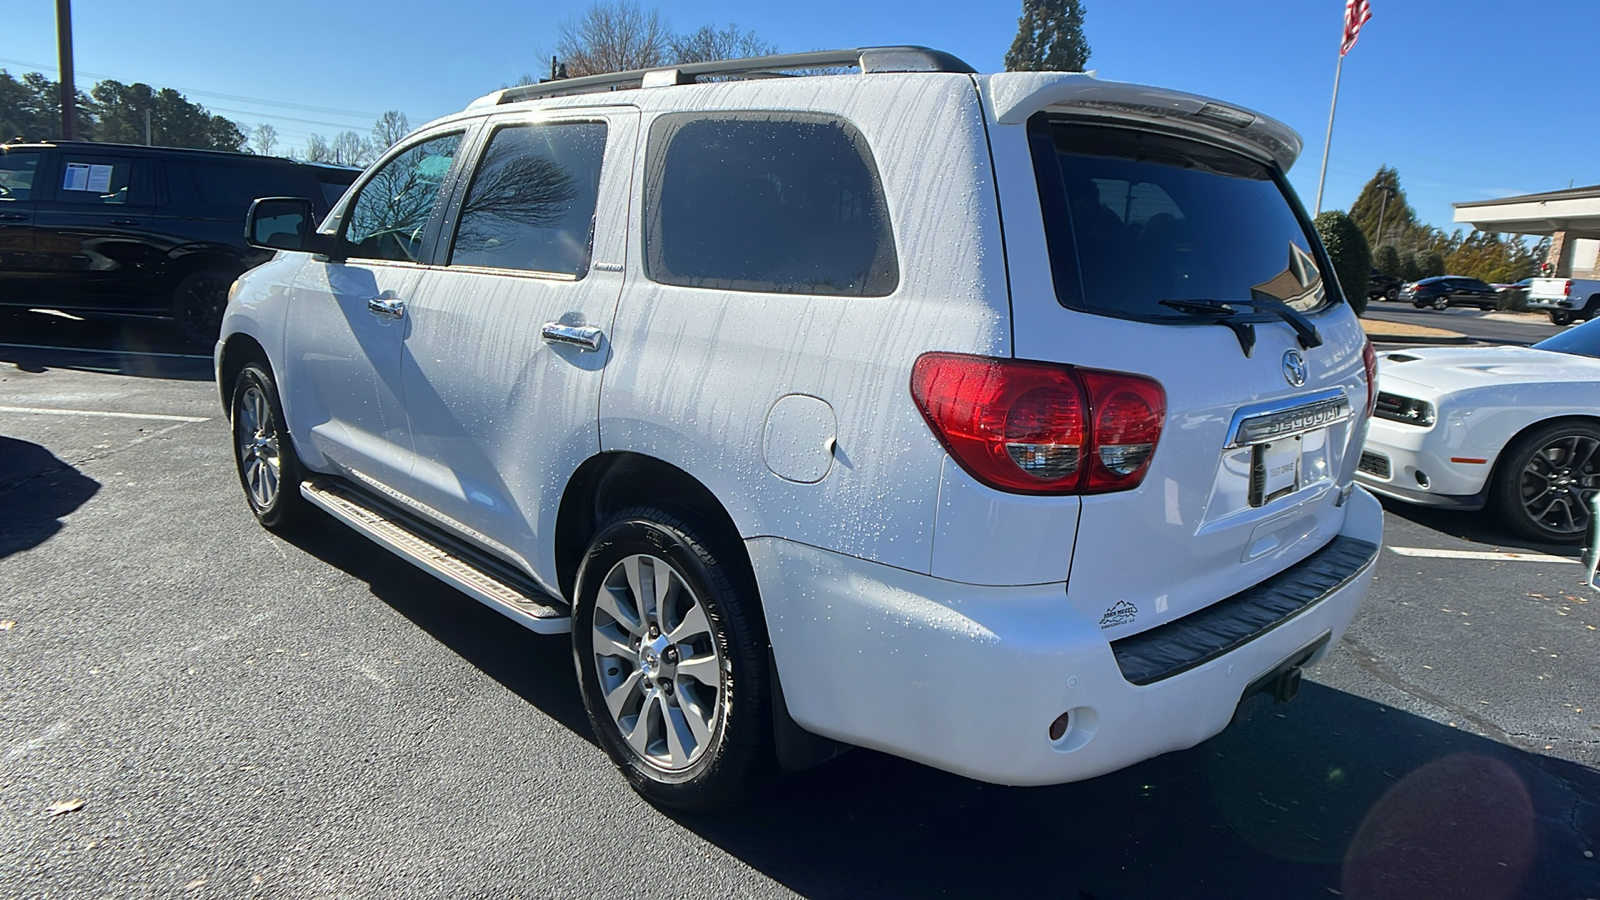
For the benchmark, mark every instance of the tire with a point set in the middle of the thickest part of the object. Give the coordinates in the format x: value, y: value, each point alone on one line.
x: 198, y: 302
x: 1560, y: 317
x: 1441, y: 302
x: 1546, y: 480
x: 269, y: 471
x: 1392, y: 294
x: 700, y: 659
x: 1487, y: 307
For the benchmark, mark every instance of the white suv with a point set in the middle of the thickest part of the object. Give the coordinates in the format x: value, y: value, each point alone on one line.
x: 1005, y: 423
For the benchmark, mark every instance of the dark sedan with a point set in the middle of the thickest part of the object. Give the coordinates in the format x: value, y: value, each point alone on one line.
x: 1443, y: 291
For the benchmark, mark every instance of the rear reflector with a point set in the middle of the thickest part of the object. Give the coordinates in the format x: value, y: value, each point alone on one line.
x: 1040, y: 428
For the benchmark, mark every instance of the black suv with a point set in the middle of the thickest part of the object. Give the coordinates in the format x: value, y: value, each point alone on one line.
x: 117, y: 229
x: 1443, y: 291
x: 1383, y: 287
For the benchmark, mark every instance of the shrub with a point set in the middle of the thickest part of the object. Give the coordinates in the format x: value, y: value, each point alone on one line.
x: 1351, y: 257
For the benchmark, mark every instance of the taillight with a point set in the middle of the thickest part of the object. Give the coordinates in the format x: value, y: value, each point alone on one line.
x: 1566, y: 289
x: 1040, y: 428
x: 1369, y: 359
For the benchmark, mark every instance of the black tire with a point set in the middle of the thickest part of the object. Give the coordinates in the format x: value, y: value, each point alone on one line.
x: 263, y: 453
x: 736, y: 756
x: 1546, y: 481
x: 1441, y: 302
x: 1487, y: 307
x: 1392, y: 294
x: 1560, y: 317
x: 198, y: 302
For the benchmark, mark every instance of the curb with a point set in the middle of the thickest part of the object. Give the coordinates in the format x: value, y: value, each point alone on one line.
x: 1454, y: 339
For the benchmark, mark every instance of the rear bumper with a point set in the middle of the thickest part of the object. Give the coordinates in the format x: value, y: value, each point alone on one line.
x: 969, y: 679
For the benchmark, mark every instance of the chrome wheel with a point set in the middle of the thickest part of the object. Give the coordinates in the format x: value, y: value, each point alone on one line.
x: 1441, y: 302
x: 658, y: 664
x: 256, y: 433
x: 1560, y: 481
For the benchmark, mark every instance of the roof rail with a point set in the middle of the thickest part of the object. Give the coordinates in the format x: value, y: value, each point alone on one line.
x: 867, y: 59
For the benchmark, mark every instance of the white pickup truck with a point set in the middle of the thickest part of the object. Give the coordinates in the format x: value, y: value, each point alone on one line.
x: 1567, y: 300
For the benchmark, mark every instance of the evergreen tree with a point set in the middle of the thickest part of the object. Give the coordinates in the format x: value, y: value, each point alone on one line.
x: 1351, y: 257
x: 1049, y: 38
x: 1431, y: 264
x: 1382, y: 197
x: 1410, y: 266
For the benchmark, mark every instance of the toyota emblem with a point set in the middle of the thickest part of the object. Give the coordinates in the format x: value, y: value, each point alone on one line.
x: 1294, y: 368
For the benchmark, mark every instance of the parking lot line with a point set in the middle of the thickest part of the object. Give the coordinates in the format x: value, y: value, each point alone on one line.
x: 1496, y: 556
x: 108, y: 352
x: 101, y: 414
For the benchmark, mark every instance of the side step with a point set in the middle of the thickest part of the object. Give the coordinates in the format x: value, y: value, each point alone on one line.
x: 522, y: 603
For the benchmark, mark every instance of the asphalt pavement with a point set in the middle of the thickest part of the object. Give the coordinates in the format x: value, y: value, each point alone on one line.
x: 1486, y: 327
x: 194, y: 707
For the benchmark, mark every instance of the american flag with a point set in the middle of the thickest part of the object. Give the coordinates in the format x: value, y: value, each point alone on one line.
x: 1356, y: 14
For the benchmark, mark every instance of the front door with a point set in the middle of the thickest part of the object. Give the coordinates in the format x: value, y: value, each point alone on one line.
x: 349, y: 316
x: 503, y: 357
x: 19, y: 264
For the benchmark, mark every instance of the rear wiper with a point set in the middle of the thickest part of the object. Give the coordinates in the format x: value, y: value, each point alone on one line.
x: 1225, y: 310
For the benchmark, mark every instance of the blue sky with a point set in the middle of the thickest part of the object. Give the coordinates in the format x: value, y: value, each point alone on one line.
x: 1469, y: 99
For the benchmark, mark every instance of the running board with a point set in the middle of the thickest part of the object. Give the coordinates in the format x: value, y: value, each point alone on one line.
x: 531, y: 609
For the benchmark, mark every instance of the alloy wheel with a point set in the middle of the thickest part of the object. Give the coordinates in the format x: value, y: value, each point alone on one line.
x: 256, y: 432
x: 1560, y: 481
x: 658, y: 661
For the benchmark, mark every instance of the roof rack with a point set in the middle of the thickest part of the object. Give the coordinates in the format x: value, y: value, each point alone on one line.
x: 867, y: 59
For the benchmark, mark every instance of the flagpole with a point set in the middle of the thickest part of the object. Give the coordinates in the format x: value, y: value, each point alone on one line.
x: 1328, y: 141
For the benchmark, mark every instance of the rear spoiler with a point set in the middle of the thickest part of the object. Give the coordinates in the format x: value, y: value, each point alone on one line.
x: 1015, y: 96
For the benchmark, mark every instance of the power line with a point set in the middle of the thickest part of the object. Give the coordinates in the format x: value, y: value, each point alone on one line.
x: 282, y: 104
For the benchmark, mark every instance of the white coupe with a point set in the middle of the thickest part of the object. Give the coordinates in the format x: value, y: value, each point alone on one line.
x: 1516, y: 429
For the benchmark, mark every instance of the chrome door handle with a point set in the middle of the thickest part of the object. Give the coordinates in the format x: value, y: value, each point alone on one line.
x: 13, y: 217
x: 584, y: 337
x: 387, y: 307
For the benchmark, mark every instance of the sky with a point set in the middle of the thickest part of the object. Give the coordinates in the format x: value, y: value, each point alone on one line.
x: 1468, y: 99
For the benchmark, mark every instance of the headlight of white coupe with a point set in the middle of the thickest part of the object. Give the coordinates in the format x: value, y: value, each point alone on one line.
x: 1409, y: 410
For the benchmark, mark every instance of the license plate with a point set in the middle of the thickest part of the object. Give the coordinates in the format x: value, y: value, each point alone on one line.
x: 1274, y: 470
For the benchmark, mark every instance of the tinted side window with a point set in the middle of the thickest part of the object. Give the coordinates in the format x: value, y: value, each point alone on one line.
x: 389, y: 216
x: 232, y: 188
x: 99, y: 181
x: 531, y: 204
x: 16, y: 175
x: 782, y: 202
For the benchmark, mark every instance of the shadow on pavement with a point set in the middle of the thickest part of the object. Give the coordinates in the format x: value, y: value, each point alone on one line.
x: 1328, y: 794
x: 536, y: 667
x: 37, y: 490
x: 36, y: 342
x: 1331, y: 795
x: 1480, y: 527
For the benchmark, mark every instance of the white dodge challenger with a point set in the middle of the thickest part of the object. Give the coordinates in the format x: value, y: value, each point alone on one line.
x: 1514, y: 429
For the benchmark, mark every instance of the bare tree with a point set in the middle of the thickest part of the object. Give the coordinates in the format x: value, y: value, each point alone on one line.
x: 351, y: 149
x: 318, y: 150
x: 263, y: 138
x: 613, y: 36
x: 389, y: 129
x: 708, y: 44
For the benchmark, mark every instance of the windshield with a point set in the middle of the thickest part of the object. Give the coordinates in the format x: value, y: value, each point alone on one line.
x: 1134, y: 219
x: 1583, y: 340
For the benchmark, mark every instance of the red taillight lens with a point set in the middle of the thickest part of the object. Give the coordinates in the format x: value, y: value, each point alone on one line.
x: 1040, y: 428
x: 1369, y: 360
x: 1566, y: 289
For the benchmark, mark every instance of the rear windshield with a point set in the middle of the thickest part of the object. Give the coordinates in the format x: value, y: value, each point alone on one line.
x: 1134, y: 218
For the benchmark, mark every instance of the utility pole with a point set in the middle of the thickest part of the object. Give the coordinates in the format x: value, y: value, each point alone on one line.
x: 69, y: 91
x: 1382, y: 205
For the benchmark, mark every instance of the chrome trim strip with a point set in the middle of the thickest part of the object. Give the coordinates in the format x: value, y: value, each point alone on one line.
x: 1289, y: 408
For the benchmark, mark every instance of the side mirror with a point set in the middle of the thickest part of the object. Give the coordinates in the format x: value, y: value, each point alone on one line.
x: 1591, y: 556
x: 284, y: 223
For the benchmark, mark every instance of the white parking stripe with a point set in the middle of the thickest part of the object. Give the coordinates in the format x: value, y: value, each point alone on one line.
x: 1482, y: 554
x: 108, y: 352
x: 100, y: 414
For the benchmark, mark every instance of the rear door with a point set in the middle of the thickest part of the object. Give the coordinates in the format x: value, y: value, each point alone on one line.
x: 508, y: 331
x: 1144, y: 235
x: 94, y: 233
